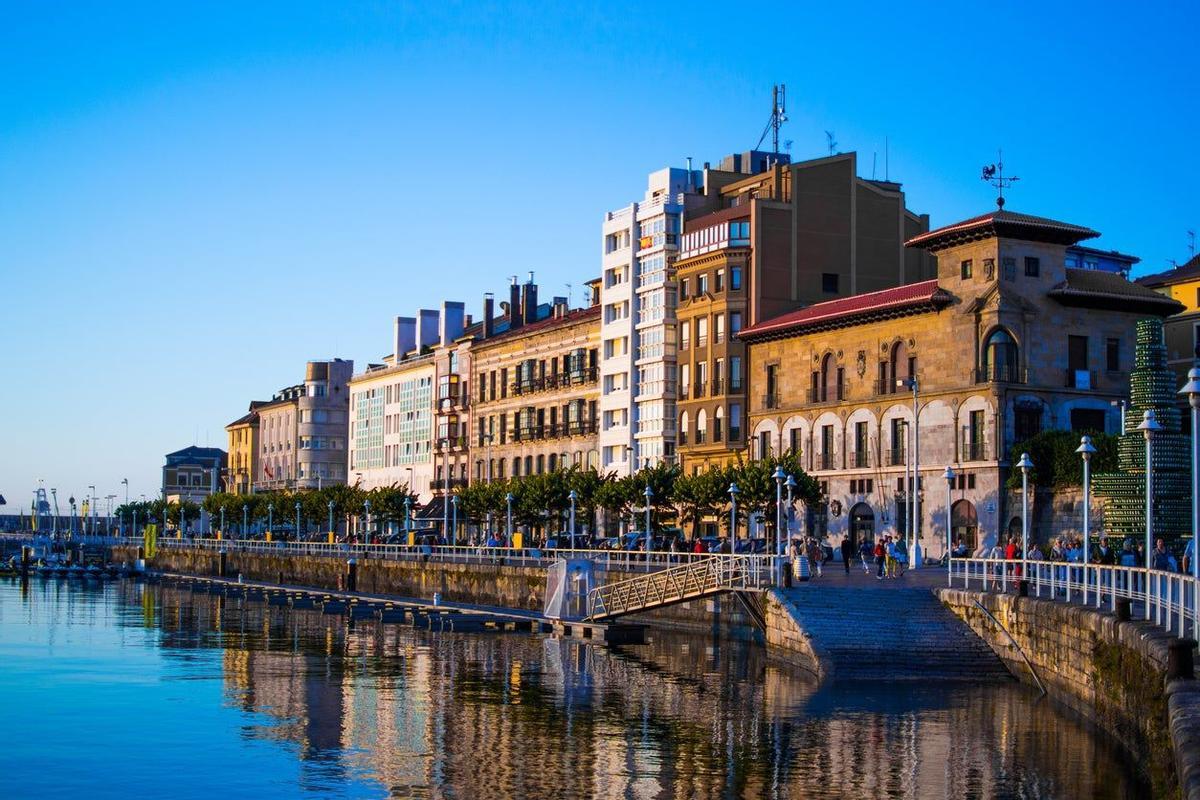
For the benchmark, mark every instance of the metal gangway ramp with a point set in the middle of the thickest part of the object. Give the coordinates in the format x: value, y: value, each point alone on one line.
x: 697, y: 578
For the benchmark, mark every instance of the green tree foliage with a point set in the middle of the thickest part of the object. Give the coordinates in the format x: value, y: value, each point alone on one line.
x: 1055, y: 462
x: 702, y: 495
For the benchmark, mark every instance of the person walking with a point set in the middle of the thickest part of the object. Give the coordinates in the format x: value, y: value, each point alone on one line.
x: 866, y: 552
x: 880, y: 556
x: 847, y: 553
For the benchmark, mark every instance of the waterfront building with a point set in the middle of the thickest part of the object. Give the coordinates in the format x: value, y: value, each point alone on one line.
x: 1182, y: 331
x: 192, y: 474
x: 535, y: 379
x: 1080, y: 257
x: 793, y: 235
x: 1006, y: 341
x: 452, y: 367
x: 243, y: 451
x: 392, y: 411
x: 302, y: 430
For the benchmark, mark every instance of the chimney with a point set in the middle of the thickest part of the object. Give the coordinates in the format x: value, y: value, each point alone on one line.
x: 529, y: 301
x: 427, y: 327
x: 488, y: 322
x: 514, y: 304
x: 452, y: 321
x: 404, y: 336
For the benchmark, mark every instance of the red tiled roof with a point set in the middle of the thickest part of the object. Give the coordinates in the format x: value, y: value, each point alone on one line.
x: 1002, y: 223
x: 846, y: 310
x: 549, y: 323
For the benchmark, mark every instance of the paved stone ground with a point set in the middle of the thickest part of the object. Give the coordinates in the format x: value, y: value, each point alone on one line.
x: 894, y: 629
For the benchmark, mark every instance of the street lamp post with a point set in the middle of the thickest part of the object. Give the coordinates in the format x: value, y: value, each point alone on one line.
x: 649, y: 493
x: 297, y: 520
x: 1149, y: 426
x: 407, y: 515
x: 913, y: 510
x: 134, y: 528
x: 245, y: 520
x: 508, y: 500
x: 733, y: 493
x: 779, y: 478
x: 1120, y: 404
x: 1085, y: 450
x: 367, y: 512
x: 573, y: 497
x: 1192, y: 390
x: 270, y: 517
x: 125, y: 481
x: 330, y: 504
x: 791, y: 487
x: 222, y: 522
x: 1024, y: 465
x: 454, y: 519
x: 91, y: 523
x: 949, y: 476
x: 446, y: 489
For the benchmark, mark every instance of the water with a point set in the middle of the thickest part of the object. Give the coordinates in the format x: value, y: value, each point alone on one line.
x: 128, y: 690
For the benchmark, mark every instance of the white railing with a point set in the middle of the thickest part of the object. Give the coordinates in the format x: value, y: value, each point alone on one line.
x: 1166, y: 598
x: 708, y: 575
x: 462, y: 554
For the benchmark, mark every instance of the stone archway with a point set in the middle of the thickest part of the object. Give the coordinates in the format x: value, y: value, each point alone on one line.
x: 862, y: 525
x: 964, y: 524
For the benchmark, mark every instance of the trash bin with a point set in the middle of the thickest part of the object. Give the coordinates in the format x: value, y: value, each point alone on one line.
x: 802, y: 567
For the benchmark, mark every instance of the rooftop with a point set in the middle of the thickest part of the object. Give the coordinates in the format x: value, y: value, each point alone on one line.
x: 1008, y: 224
x: 549, y: 323
x: 1098, y: 289
x: 1185, y: 272
x: 907, y: 299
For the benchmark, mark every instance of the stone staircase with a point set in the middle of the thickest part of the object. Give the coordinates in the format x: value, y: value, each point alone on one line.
x: 888, y: 633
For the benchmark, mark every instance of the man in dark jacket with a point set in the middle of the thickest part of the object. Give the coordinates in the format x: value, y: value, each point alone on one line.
x: 847, y: 553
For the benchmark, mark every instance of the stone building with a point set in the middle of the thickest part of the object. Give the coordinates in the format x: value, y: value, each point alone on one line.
x: 536, y: 388
x: 243, y: 451
x: 277, y: 441
x: 302, y: 430
x: 792, y: 235
x: 1005, y: 342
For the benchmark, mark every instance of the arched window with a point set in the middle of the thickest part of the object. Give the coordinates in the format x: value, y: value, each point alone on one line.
x: 553, y: 461
x: 683, y: 428
x: 826, y: 376
x: 1000, y: 357
x: 516, y: 469
x: 718, y: 423
x: 898, y: 365
x: 701, y: 426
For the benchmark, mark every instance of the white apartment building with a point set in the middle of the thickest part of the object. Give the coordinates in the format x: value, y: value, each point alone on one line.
x: 638, y: 294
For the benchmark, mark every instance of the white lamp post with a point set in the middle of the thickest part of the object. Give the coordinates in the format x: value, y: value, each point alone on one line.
x: 1192, y: 390
x: 914, y: 512
x: 733, y: 493
x: 791, y: 487
x: 270, y: 516
x: 245, y: 521
x: 367, y: 513
x: 779, y: 477
x: 1024, y: 465
x: 331, y: 516
x: 1085, y: 450
x: 649, y: 493
x: 454, y: 519
x: 573, y: 496
x: 949, y: 476
x: 1149, y: 426
x: 508, y: 499
x: 1119, y: 404
x: 297, y: 520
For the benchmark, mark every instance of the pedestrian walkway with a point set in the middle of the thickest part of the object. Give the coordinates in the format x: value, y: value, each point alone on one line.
x: 889, y: 630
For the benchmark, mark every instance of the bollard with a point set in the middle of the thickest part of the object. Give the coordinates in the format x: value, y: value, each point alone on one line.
x: 1180, y: 663
x: 224, y: 563
x: 351, y: 575
x: 141, y: 553
x: 1023, y: 588
x: 26, y: 558
x: 1123, y: 609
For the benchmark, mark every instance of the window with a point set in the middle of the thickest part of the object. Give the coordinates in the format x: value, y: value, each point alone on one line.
x: 829, y: 282
x: 683, y: 289
x: 860, y: 444
x: 718, y: 423
x: 735, y: 373
x: 764, y: 445
x: 826, y: 447
x: 718, y: 328
x: 701, y: 331
x: 1033, y: 267
x: 735, y: 323
x: 965, y: 269
x: 1077, y: 362
x: 1087, y: 419
x: 685, y: 334
x: 702, y: 284
x: 1113, y: 355
x: 719, y: 281
x: 1000, y: 357
x: 735, y: 280
x: 1010, y: 269
x: 735, y: 422
x: 1027, y: 422
x: 794, y: 440
x: 772, y: 399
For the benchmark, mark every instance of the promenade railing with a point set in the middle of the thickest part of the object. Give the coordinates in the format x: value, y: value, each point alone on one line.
x: 457, y: 554
x: 1166, y: 598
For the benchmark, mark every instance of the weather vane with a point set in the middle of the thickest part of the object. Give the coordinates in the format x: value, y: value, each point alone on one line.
x: 994, y: 175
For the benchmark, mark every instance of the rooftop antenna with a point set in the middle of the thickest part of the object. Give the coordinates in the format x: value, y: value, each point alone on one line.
x: 570, y: 296
x: 1191, y: 245
x: 994, y: 175
x: 887, y: 172
x: 777, y: 118
x: 874, y: 158
x: 830, y: 141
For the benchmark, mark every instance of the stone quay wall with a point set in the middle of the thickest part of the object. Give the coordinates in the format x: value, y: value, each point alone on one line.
x: 498, y: 584
x: 787, y: 641
x: 1112, y: 672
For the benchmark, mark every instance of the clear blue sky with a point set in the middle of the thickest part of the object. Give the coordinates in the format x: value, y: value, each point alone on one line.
x: 196, y: 199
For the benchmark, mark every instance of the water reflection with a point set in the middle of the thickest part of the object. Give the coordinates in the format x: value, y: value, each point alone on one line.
x: 366, y: 709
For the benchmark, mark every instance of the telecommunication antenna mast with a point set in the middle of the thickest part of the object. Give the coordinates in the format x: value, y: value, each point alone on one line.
x: 777, y: 118
x: 994, y: 175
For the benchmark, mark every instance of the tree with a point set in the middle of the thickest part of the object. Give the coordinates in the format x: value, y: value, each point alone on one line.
x: 1055, y: 462
x: 702, y: 495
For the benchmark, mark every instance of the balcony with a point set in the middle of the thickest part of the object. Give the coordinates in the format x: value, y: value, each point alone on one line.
x: 1001, y: 373
x: 973, y: 448
x: 883, y: 388
x: 701, y: 437
x: 825, y: 461
x: 897, y: 457
x: 717, y: 387
x: 683, y: 438
x: 860, y: 459
x: 451, y: 404
x: 440, y: 484
x: 529, y: 432
x: 770, y: 401
x: 826, y: 394
x: 699, y: 391
x: 441, y: 444
x: 701, y: 341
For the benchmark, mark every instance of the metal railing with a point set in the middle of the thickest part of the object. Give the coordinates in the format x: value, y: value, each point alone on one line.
x: 1166, y: 598
x: 457, y: 554
x: 708, y: 575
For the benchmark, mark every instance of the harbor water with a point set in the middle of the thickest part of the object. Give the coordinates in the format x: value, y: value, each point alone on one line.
x: 124, y: 689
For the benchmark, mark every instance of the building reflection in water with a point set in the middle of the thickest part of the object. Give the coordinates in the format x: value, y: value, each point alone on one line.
x: 512, y: 715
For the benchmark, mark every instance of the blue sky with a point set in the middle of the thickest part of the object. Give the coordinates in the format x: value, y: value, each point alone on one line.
x: 195, y: 199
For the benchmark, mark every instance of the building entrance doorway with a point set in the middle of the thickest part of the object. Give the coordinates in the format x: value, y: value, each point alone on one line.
x: 862, y: 525
x: 964, y: 524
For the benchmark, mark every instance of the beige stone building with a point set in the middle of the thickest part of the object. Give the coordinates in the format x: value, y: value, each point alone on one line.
x: 276, y: 467
x: 243, y: 451
x: 535, y: 390
x: 792, y: 235
x: 1005, y: 342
